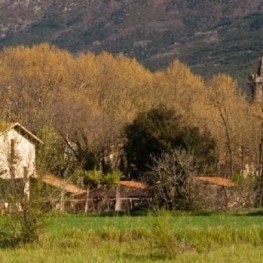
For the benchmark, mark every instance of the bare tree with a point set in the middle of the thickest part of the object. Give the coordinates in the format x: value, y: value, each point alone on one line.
x: 171, y: 179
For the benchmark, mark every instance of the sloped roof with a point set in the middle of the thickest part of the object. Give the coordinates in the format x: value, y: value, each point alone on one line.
x: 4, y: 127
x: 220, y: 181
x: 76, y: 190
x: 62, y: 184
x: 133, y: 184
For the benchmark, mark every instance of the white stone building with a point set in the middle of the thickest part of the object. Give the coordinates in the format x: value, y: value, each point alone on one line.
x: 17, y: 153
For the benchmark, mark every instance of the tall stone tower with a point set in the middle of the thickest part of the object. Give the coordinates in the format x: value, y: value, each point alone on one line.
x: 256, y: 83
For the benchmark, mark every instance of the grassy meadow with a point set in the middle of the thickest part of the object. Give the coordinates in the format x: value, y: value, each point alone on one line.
x: 163, y: 238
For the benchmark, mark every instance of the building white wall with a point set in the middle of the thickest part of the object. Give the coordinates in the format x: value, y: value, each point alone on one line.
x: 24, y: 152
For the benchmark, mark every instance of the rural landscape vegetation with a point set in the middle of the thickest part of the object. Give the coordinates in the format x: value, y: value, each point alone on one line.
x: 102, y: 117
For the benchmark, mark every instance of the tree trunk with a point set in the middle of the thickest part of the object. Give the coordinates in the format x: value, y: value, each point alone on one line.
x: 26, y: 184
x: 118, y: 199
x: 87, y: 201
x: 228, y: 139
x: 62, y: 201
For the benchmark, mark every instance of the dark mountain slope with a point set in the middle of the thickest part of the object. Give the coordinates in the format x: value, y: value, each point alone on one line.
x: 210, y: 35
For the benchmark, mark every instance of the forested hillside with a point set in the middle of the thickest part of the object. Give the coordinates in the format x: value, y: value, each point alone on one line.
x: 210, y: 36
x: 87, y: 100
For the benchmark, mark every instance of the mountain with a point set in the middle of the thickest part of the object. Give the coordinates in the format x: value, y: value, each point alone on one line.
x: 211, y: 36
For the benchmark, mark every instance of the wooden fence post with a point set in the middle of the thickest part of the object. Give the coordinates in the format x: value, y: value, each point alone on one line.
x: 62, y: 201
x: 118, y: 199
x: 87, y: 201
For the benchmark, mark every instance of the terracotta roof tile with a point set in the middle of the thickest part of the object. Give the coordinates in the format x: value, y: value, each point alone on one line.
x: 216, y: 180
x: 133, y: 184
x: 62, y: 184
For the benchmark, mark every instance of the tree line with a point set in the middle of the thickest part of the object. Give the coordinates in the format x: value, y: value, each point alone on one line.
x: 80, y: 106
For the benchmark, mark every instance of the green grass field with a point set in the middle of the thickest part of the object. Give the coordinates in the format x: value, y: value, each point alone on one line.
x: 164, y: 238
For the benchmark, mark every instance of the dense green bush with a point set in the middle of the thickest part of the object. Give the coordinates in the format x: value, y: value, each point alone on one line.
x: 161, y: 130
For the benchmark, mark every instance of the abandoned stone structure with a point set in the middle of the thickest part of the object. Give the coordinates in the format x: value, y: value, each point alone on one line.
x: 256, y: 83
